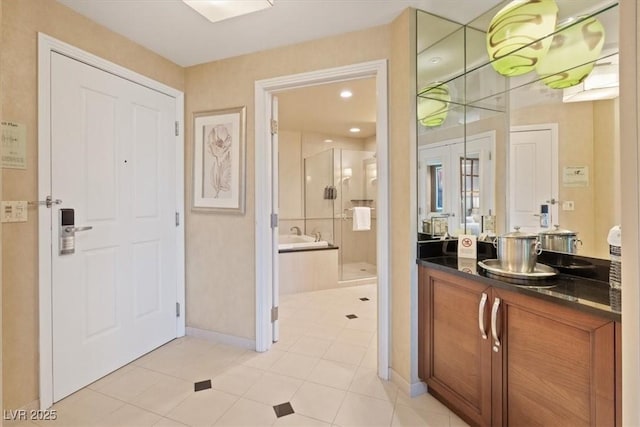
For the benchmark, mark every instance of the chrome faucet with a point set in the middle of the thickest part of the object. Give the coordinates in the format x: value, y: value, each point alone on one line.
x: 318, y: 236
x: 296, y: 229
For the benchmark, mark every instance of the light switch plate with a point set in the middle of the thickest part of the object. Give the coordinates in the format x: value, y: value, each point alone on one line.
x: 568, y: 206
x: 14, y: 211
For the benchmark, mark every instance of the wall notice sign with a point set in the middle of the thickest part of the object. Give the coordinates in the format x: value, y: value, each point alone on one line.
x: 575, y: 176
x: 467, y: 246
x: 14, y: 145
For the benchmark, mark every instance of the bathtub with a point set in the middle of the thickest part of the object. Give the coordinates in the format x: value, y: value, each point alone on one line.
x: 306, y: 265
x: 293, y: 241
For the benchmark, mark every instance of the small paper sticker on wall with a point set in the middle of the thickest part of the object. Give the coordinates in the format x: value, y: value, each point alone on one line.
x: 467, y: 246
x: 575, y: 176
x: 14, y: 145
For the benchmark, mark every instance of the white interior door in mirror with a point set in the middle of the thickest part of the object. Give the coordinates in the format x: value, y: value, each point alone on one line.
x: 474, y: 162
x: 441, y: 187
x: 435, y: 197
x: 533, y: 176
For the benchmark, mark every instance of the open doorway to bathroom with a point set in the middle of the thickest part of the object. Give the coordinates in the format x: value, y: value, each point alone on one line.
x: 268, y: 313
x: 328, y: 185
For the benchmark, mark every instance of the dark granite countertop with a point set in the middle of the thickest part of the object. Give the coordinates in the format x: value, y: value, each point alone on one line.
x: 585, y: 294
x: 591, y: 296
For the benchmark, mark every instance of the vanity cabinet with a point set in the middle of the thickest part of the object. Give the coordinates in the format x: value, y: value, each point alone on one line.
x: 497, y: 357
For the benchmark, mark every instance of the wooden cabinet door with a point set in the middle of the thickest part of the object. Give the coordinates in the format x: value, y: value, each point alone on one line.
x: 553, y: 365
x: 455, y: 360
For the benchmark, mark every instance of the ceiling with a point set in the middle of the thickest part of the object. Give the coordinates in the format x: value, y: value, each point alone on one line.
x: 320, y: 109
x: 178, y: 33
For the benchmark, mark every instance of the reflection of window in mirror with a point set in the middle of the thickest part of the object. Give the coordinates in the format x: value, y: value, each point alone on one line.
x: 437, y: 182
x: 470, y: 185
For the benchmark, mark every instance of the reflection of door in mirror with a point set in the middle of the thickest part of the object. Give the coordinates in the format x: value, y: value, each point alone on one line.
x: 455, y: 184
x: 533, y: 176
x: 436, y: 201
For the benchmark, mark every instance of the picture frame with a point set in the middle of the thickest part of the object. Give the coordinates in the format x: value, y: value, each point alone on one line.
x: 219, y: 153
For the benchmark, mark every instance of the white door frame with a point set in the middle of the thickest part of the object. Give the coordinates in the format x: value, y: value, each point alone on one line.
x: 264, y: 90
x: 47, y: 45
x: 555, y: 185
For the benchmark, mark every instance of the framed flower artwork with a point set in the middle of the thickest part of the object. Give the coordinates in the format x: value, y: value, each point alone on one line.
x: 219, y: 160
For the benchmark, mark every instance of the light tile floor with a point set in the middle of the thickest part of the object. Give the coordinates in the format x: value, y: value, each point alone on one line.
x: 358, y: 270
x: 324, y: 365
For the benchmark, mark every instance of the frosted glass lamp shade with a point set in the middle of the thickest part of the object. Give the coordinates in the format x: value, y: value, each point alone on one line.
x: 572, y: 54
x: 517, y: 35
x: 433, y: 104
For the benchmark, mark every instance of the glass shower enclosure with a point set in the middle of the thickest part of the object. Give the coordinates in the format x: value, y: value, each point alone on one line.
x: 337, y: 181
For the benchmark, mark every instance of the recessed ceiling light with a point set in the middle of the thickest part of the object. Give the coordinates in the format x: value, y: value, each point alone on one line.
x: 354, y: 130
x: 346, y: 94
x: 219, y: 10
x: 435, y: 59
x: 328, y: 140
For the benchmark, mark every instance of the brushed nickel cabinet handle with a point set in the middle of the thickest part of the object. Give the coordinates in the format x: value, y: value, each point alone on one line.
x: 494, y: 326
x: 481, y: 307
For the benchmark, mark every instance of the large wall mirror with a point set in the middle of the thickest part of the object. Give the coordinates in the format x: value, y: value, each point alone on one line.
x: 525, y: 139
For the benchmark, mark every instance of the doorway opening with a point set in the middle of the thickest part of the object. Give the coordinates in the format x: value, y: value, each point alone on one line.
x: 327, y: 172
x: 267, y: 271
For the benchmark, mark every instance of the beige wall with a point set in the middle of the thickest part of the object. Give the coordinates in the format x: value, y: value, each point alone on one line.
x: 630, y: 200
x: 606, y: 179
x: 402, y: 167
x: 1, y: 342
x: 290, y: 167
x: 221, y: 277
x: 21, y: 21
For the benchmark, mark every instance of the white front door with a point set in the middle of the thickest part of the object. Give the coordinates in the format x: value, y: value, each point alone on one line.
x: 533, y: 176
x: 113, y: 163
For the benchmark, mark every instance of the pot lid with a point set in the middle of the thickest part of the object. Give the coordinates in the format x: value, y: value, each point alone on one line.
x: 559, y: 232
x: 517, y: 234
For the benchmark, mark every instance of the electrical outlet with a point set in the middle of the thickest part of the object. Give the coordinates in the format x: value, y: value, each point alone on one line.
x: 13, y: 211
x: 568, y: 206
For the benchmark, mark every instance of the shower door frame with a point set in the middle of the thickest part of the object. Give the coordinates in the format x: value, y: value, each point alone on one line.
x: 264, y: 255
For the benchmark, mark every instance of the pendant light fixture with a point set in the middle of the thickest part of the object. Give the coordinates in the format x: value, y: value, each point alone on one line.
x: 433, y: 104
x: 517, y: 35
x: 575, y: 48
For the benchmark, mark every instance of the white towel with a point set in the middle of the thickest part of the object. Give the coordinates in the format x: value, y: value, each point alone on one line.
x: 361, y: 218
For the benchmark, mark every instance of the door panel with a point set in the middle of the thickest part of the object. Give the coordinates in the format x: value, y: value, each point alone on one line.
x: 556, y: 365
x: 456, y: 358
x: 112, y: 160
x: 533, y: 180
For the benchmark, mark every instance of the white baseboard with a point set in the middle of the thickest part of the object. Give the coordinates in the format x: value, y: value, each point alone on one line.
x: 412, y: 390
x: 221, y: 338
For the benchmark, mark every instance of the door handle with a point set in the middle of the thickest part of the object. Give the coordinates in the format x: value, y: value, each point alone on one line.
x: 481, y: 308
x: 76, y: 229
x: 494, y: 326
x: 67, y: 234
